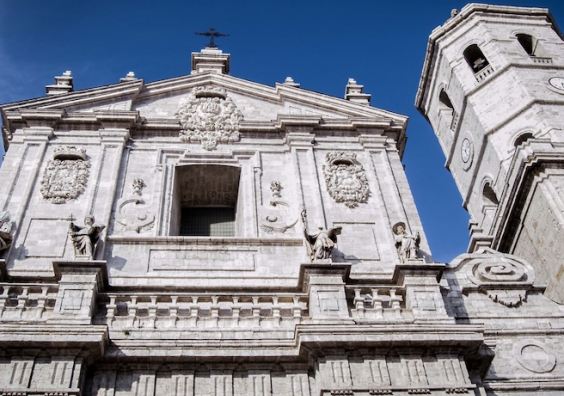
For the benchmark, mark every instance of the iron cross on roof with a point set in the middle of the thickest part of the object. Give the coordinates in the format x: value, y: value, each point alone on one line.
x: 212, y: 34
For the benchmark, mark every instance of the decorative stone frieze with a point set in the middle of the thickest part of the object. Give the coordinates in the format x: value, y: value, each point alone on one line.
x: 209, y: 116
x: 345, y: 178
x: 66, y: 175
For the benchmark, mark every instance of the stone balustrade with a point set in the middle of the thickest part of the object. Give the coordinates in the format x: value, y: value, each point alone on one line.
x: 27, y: 302
x: 123, y: 311
x: 377, y: 303
x: 543, y: 60
x: 484, y: 73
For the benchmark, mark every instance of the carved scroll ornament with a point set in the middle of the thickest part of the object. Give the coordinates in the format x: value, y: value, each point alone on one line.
x: 66, y: 175
x: 345, y: 178
x: 505, y: 278
x: 209, y: 116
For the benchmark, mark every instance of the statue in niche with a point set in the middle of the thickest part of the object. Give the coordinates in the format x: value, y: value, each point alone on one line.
x: 84, y: 239
x: 406, y: 244
x: 320, y: 244
x: 5, y: 231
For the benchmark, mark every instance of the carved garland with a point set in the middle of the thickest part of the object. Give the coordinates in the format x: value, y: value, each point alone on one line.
x: 345, y: 178
x: 66, y: 175
x: 210, y: 117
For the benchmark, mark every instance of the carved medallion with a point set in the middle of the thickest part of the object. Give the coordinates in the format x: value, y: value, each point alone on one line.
x: 535, y: 356
x: 345, y: 178
x: 210, y: 117
x: 557, y: 84
x: 66, y: 175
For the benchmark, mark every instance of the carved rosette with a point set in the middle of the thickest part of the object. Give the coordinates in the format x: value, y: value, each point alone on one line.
x: 209, y: 116
x: 505, y: 278
x: 345, y: 178
x: 66, y: 175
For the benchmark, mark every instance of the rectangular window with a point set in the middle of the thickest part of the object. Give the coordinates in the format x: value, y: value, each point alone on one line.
x: 205, y: 200
x: 208, y: 222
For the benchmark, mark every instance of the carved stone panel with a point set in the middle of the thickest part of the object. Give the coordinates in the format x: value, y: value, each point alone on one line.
x: 209, y: 116
x: 345, y: 178
x: 66, y: 175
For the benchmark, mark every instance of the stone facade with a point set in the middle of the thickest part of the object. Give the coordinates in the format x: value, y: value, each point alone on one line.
x: 105, y: 289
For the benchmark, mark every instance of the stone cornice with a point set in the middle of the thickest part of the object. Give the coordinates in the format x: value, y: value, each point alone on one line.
x: 308, y: 339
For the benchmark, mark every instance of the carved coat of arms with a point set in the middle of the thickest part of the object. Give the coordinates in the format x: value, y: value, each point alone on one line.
x: 66, y: 175
x: 345, y: 178
x: 210, y: 117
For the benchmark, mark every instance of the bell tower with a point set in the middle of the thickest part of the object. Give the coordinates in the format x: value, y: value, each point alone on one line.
x: 492, y: 88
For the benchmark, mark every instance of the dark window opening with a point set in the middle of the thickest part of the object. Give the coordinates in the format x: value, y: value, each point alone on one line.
x: 445, y: 100
x: 523, y: 138
x: 206, y: 200
x: 490, y: 198
x: 527, y: 42
x: 475, y: 58
x: 207, y: 222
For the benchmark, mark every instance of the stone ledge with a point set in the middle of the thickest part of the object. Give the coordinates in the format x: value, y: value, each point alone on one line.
x: 94, y: 338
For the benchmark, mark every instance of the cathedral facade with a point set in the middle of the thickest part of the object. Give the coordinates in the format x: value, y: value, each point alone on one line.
x: 207, y: 235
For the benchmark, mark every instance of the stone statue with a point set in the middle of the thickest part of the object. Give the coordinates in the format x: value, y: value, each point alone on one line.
x: 406, y: 244
x: 320, y: 244
x: 84, y: 239
x: 5, y: 231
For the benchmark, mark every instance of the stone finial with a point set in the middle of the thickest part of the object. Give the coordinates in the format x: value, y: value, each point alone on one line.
x: 355, y: 92
x: 289, y: 82
x: 453, y: 12
x: 211, y: 60
x: 63, y: 84
x: 130, y: 76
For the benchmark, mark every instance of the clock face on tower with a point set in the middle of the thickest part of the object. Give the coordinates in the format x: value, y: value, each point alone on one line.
x: 467, y: 153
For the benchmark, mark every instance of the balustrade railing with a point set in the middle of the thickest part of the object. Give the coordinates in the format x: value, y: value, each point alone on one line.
x: 377, y: 304
x: 27, y: 302
x: 121, y: 311
x: 484, y: 73
x: 542, y: 60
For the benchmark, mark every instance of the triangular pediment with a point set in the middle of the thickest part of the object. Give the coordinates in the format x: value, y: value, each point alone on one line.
x: 256, y: 102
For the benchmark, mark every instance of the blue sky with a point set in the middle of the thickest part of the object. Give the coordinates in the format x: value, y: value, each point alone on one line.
x: 319, y: 43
